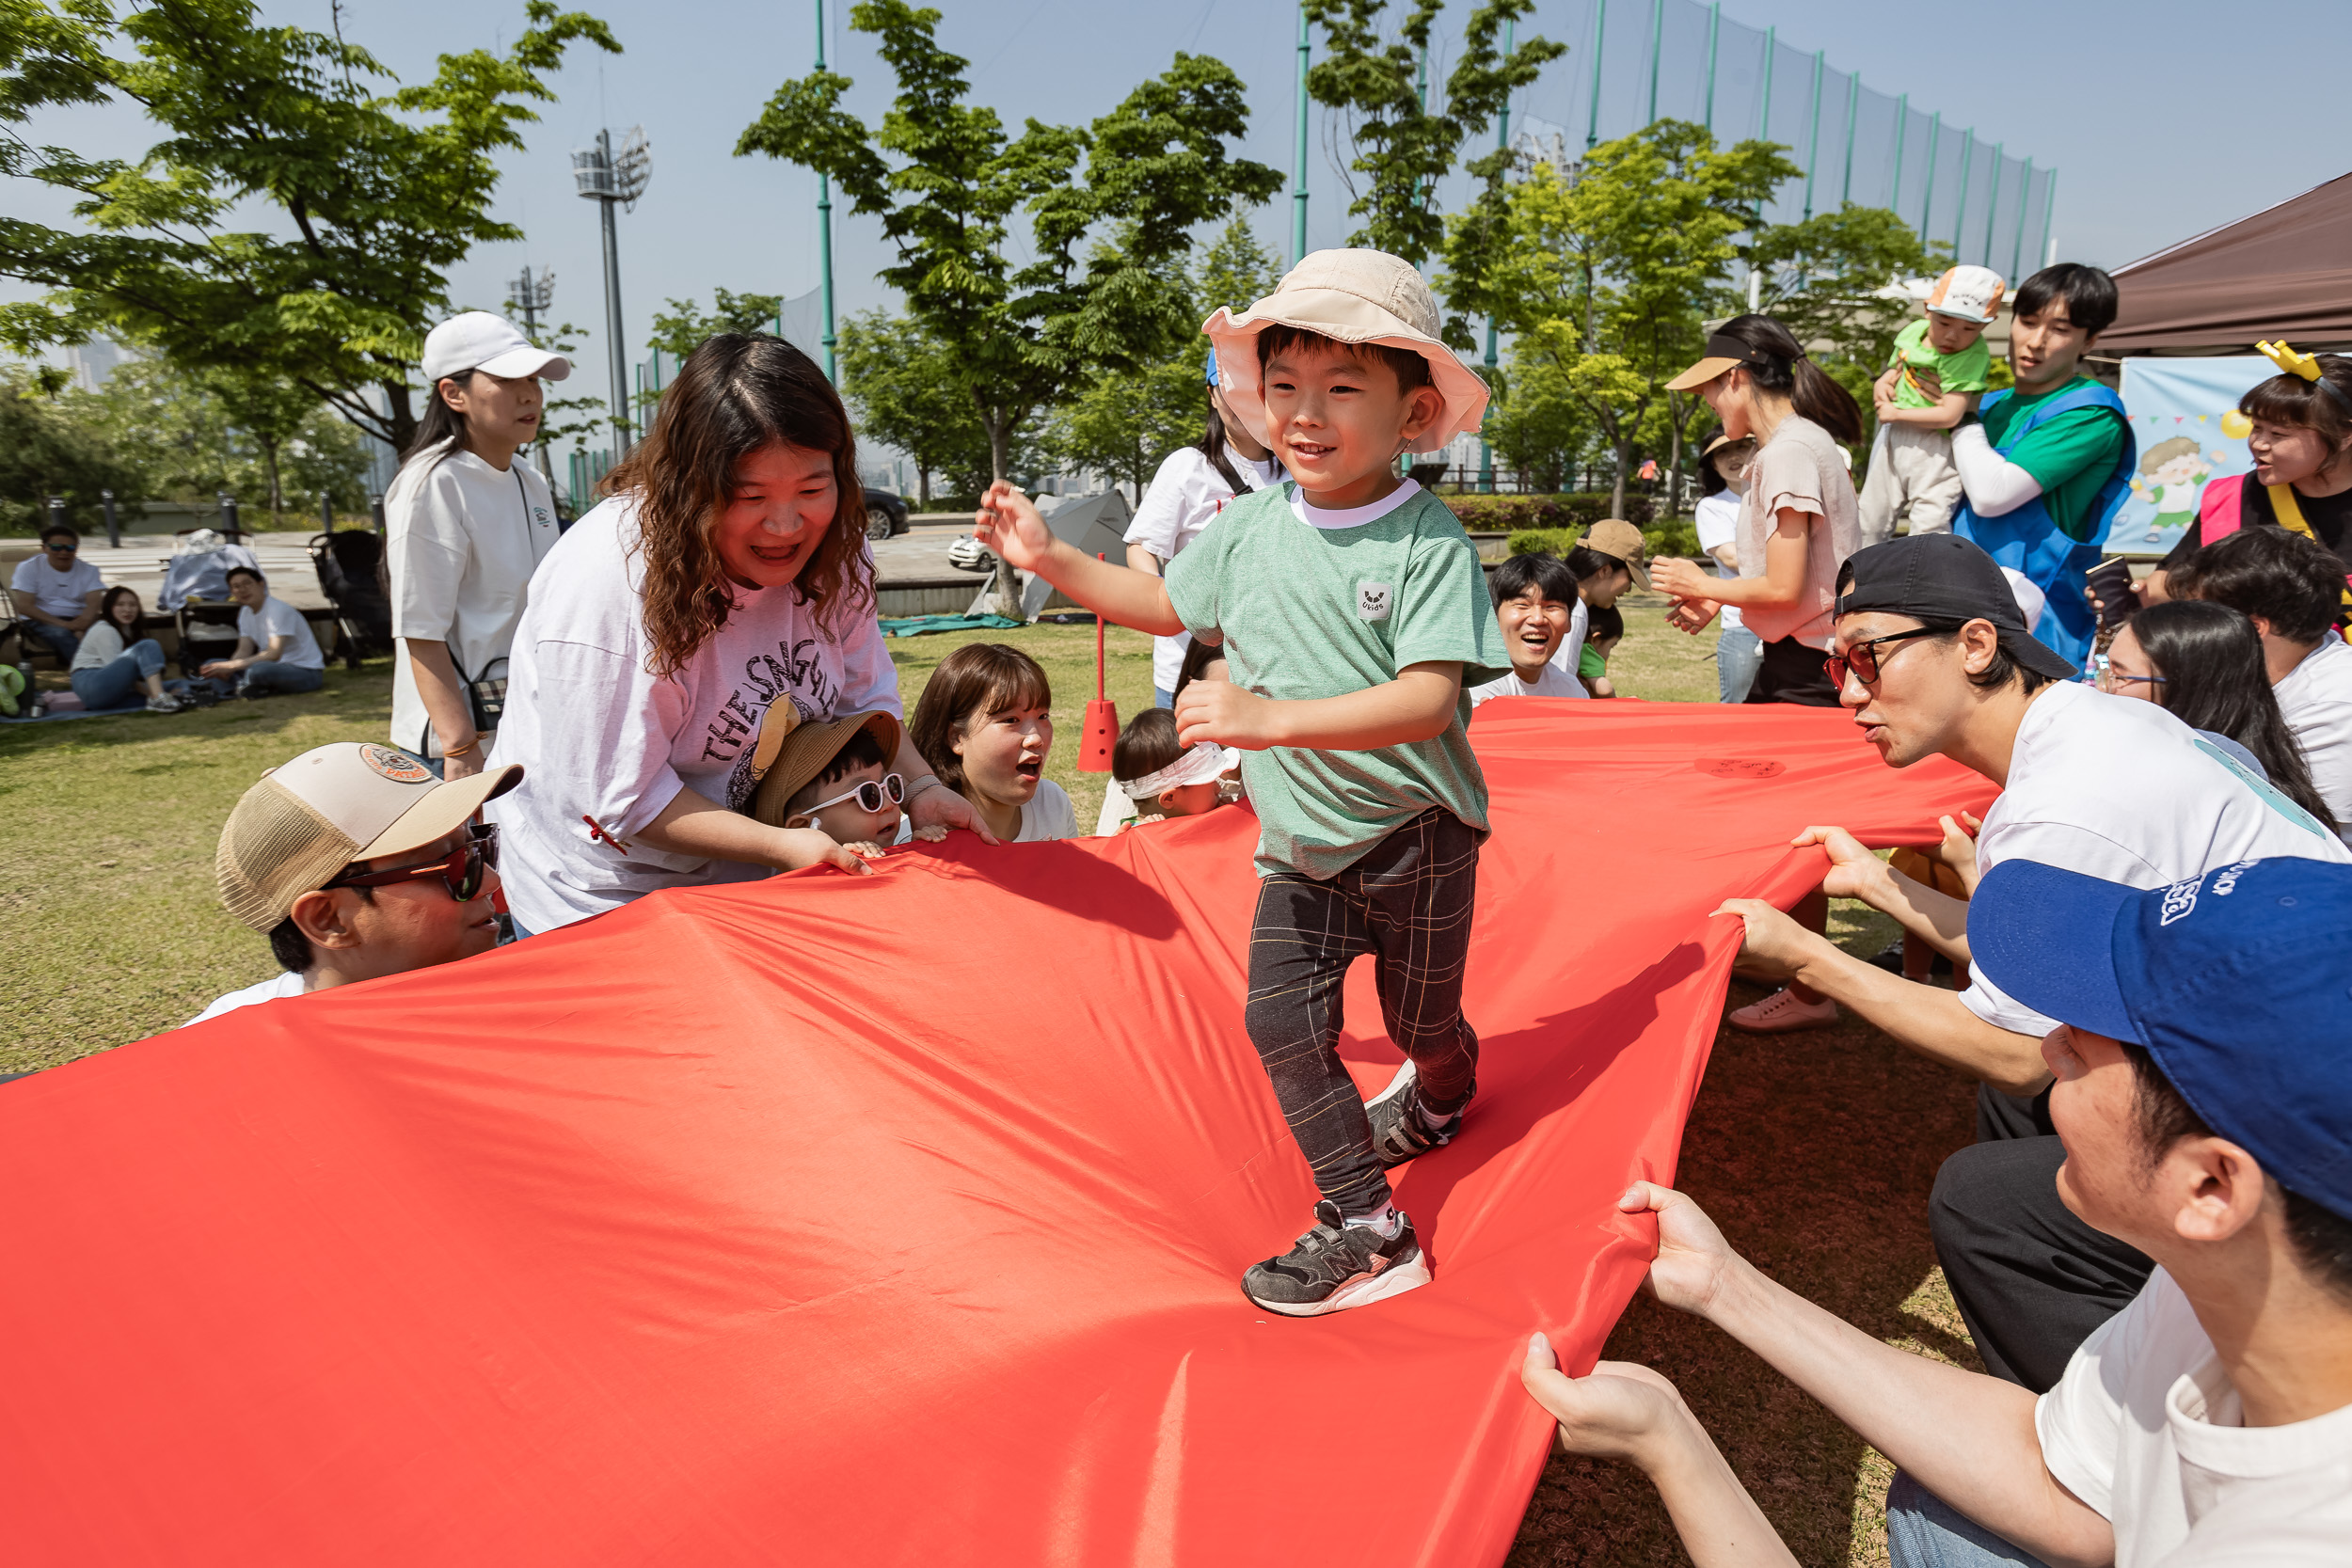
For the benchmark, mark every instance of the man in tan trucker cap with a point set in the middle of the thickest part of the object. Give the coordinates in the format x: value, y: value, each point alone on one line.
x: 356, y: 862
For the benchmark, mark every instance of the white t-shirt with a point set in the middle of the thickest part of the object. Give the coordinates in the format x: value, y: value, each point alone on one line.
x: 1553, y: 682
x: 1718, y: 519
x: 462, y: 539
x: 1572, y: 644
x: 2315, y: 697
x: 1048, y: 815
x: 101, y: 646
x: 277, y: 618
x: 2146, y: 1428
x: 1185, y: 497
x: 597, y: 736
x: 286, y: 984
x: 59, y: 594
x: 2118, y: 788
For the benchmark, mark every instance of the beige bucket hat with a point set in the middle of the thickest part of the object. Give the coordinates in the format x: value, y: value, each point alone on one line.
x: 790, y: 752
x: 1352, y: 297
x: 1621, y: 541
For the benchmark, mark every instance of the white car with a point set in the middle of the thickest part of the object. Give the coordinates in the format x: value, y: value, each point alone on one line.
x: 967, y: 554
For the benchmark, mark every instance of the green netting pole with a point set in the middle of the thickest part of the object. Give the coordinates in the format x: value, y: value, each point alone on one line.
x: 1714, y: 26
x: 1993, y: 201
x: 1502, y: 143
x: 1299, y: 174
x: 1813, y: 154
x: 1927, y: 200
x: 824, y: 219
x: 1656, y: 39
x: 2049, y: 213
x: 1967, y: 156
x: 1592, y: 119
x: 1902, y: 123
x: 2017, y: 251
x: 1854, y: 99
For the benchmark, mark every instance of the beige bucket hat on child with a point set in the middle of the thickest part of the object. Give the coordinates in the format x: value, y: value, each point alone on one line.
x: 1352, y: 297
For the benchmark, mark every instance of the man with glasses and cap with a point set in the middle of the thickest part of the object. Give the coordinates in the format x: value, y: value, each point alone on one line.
x: 56, y: 592
x: 356, y: 862
x: 1933, y: 658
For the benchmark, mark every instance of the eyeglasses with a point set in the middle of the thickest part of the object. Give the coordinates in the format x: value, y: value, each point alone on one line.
x: 2110, y: 679
x: 462, y: 870
x: 869, y: 795
x: 1863, y: 657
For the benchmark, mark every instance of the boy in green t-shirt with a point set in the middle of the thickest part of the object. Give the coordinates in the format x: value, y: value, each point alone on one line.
x: 1353, y: 616
x: 1940, y: 367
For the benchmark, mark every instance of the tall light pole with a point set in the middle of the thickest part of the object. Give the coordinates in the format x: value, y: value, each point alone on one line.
x: 1298, y: 175
x: 1502, y: 143
x: 609, y: 179
x: 531, y: 295
x: 824, y: 218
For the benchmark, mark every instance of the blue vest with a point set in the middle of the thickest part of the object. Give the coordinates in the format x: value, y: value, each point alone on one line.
x: 2030, y: 541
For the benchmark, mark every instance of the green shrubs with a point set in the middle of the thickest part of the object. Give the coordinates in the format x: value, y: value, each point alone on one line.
x: 1511, y: 514
x: 1676, y: 537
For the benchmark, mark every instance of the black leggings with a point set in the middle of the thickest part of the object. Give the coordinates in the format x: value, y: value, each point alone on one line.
x: 1407, y: 903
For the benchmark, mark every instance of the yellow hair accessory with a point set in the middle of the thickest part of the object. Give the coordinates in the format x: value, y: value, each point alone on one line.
x: 2289, y: 361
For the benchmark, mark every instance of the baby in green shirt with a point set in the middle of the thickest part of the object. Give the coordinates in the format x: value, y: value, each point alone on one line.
x: 1941, y: 366
x: 1353, y: 616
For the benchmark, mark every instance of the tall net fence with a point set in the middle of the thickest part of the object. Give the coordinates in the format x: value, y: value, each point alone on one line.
x: 1634, y: 61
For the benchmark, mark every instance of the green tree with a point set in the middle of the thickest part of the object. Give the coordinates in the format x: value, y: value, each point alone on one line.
x: 1234, y: 271
x: 189, y: 434
x: 1403, y: 148
x: 1124, y: 424
x: 371, y: 191
x: 901, y: 384
x: 1832, y: 281
x: 47, y: 449
x: 1607, y: 279
x: 1110, y: 210
x: 1536, y: 424
x: 683, y: 327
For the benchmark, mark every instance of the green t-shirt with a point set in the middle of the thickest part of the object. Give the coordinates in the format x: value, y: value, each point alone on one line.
x: 1589, y: 664
x: 1309, y: 611
x: 2070, y: 457
x: 1928, y: 375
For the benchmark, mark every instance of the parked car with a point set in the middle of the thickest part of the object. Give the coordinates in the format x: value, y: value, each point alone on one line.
x: 968, y: 554
x: 886, y: 515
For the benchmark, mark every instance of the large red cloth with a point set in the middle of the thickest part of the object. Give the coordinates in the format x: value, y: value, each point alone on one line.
x: 882, y: 1220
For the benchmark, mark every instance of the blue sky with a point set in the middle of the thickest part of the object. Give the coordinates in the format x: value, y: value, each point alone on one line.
x: 2150, y: 113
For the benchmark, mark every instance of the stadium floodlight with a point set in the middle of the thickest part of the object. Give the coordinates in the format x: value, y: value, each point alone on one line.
x: 607, y: 178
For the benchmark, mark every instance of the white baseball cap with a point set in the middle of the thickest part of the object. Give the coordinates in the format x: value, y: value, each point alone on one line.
x: 1971, y: 293
x: 478, y: 341
x: 351, y: 800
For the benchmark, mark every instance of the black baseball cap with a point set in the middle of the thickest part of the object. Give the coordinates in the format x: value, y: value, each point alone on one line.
x: 1942, y: 577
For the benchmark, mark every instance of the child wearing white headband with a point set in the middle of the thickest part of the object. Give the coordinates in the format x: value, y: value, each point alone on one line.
x: 1160, y: 774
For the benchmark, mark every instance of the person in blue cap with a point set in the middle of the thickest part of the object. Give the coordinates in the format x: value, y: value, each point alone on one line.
x: 2204, y: 1097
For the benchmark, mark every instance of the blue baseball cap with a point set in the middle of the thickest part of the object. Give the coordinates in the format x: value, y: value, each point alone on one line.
x: 2238, y: 982
x: 1212, y: 367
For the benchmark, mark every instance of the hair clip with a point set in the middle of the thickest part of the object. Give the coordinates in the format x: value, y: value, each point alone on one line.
x: 2289, y: 361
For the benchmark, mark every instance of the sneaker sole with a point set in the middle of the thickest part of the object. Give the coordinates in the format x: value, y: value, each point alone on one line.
x: 1792, y: 1028
x: 1362, y: 1290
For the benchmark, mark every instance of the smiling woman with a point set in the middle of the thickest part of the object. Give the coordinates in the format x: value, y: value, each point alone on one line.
x: 720, y: 590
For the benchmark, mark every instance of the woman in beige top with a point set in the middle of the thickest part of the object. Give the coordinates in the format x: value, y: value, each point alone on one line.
x: 1800, y: 520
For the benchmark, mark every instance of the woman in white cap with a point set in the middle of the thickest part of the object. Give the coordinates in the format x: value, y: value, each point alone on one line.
x: 720, y: 595
x: 467, y: 525
x: 1194, y: 484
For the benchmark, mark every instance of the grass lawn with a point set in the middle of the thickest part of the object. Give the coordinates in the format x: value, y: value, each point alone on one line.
x: 114, y: 930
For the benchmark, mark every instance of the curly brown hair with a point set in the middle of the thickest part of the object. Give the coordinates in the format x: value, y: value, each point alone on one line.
x: 736, y: 394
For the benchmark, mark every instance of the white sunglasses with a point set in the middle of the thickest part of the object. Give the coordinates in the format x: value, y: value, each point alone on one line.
x: 869, y: 795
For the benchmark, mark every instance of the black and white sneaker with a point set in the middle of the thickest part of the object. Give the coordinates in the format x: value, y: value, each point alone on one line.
x: 1399, y: 1131
x: 1336, y: 1266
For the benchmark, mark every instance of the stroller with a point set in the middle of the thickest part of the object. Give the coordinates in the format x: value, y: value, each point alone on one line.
x: 350, y: 565
x: 196, y: 592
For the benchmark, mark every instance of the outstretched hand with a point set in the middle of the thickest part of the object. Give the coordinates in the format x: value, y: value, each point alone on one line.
x: 1680, y: 579
x: 1617, y: 1412
x: 1692, y: 616
x: 1009, y: 524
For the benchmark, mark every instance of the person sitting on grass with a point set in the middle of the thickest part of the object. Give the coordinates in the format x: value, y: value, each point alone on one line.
x: 356, y: 862
x: 2204, y: 663
x: 1353, y: 613
x: 56, y: 592
x: 985, y: 724
x: 833, y: 775
x: 1537, y: 602
x: 1160, y: 775
x: 2204, y: 1103
x: 1592, y: 666
x: 2291, y: 587
x: 275, y: 649
x: 1933, y: 660
x: 114, y: 660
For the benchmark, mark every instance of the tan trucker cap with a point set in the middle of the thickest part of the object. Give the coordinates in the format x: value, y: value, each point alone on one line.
x: 297, y: 829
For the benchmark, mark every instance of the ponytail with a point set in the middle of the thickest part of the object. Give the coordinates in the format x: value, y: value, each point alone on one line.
x: 1212, y: 446
x: 1779, y: 364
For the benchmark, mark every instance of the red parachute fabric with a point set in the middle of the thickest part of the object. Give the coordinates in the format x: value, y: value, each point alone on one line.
x: 882, y: 1220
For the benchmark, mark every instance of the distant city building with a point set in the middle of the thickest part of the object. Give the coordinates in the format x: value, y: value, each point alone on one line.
x: 93, y: 362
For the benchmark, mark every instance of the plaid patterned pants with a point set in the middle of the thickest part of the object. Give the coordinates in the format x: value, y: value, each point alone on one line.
x: 1407, y: 903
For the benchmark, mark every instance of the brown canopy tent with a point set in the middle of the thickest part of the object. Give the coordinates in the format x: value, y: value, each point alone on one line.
x: 2283, y: 273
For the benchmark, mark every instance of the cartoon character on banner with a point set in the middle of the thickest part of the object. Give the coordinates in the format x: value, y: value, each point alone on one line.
x: 2172, y: 475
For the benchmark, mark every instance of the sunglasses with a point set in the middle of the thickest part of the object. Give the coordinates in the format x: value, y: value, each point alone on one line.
x: 1863, y: 657
x: 463, y: 870
x: 869, y: 795
x: 63, y: 549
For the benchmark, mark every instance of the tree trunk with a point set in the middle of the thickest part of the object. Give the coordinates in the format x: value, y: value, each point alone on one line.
x: 1673, y: 469
x: 1008, y: 586
x: 269, y: 467
x: 923, y: 482
x: 402, y: 418
x: 1616, y: 493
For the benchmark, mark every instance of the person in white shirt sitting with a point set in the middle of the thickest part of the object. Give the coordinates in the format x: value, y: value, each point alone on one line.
x: 56, y: 592
x: 2204, y: 1099
x: 275, y: 649
x: 356, y: 862
x: 1535, y: 600
x: 2293, y: 591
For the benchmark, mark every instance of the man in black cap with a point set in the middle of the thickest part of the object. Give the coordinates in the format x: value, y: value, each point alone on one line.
x: 1933, y: 658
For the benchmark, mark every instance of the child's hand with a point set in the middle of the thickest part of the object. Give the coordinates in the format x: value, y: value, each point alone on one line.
x: 1010, y: 523
x: 868, y: 851
x: 1601, y: 687
x: 932, y: 833
x: 1226, y: 713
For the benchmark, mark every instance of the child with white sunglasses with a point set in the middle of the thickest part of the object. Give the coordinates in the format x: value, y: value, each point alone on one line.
x: 832, y: 776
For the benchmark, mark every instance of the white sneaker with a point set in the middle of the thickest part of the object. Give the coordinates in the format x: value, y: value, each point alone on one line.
x: 1781, y: 1013
x: 164, y: 703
